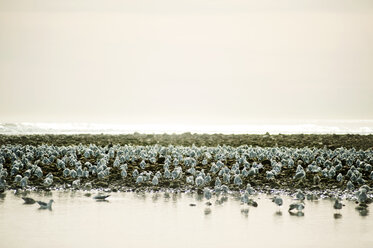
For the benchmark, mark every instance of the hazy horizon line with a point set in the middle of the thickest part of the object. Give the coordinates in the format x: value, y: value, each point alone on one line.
x: 316, y: 127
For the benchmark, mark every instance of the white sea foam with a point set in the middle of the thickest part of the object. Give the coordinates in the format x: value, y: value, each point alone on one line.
x: 309, y: 127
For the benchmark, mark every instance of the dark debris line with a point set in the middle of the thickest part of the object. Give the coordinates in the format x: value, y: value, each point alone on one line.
x: 330, y: 141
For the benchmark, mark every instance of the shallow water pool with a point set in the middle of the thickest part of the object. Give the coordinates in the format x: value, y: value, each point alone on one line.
x: 168, y: 220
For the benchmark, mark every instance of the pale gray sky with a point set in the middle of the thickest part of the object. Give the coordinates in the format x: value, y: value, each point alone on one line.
x: 185, y: 62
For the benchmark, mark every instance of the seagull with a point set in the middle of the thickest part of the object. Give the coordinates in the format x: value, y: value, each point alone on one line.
x: 23, y: 182
x: 300, y: 174
x: 155, y: 180
x: 297, y: 206
x: 101, y: 197
x: 207, y: 193
x: 66, y: 172
x: 339, y: 177
x: 18, y: 178
x: 245, y: 198
x: 217, y: 181
x: 224, y: 189
x: 337, y: 205
x: 249, y: 189
x: 252, y: 203
x: 44, y: 205
x: 350, y: 185
x: 28, y: 200
x: 48, y: 181
x: 237, y: 180
x: 362, y: 195
x: 76, y: 184
x: 277, y: 200
x: 139, y: 179
x: 316, y: 179
x: 312, y: 197
x: 199, y: 181
x: 300, y: 195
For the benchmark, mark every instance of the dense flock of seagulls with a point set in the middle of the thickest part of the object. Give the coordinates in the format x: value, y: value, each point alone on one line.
x: 209, y: 170
x: 199, y: 167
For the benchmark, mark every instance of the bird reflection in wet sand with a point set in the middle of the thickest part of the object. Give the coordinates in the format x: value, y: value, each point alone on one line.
x: 166, y: 195
x: 155, y: 197
x: 175, y: 197
x: 363, y: 211
x: 362, y: 208
x: 101, y: 198
x: 245, y: 212
x: 337, y: 216
x: 278, y: 213
x: 296, y: 206
x: 207, y: 211
x: 44, y: 205
x: 298, y: 214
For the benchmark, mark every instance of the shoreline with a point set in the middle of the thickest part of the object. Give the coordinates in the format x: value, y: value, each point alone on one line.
x: 310, y: 195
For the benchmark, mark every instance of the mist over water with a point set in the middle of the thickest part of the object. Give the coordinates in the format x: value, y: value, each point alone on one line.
x: 187, y: 63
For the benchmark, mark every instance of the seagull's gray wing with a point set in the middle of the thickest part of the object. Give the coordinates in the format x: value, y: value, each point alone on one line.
x: 42, y: 204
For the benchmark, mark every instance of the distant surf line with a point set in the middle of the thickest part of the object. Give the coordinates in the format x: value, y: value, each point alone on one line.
x: 364, y: 127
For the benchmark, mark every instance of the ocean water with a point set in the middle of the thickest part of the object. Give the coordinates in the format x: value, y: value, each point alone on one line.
x: 160, y: 220
x: 363, y: 127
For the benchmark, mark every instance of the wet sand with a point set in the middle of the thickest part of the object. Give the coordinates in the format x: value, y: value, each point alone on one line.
x: 168, y: 220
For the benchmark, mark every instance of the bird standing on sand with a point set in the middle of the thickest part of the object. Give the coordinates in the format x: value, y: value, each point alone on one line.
x: 17, y: 178
x: 312, y: 197
x: 48, y: 181
x: 23, y: 182
x: 297, y: 206
x: 300, y: 173
x: 155, y: 180
x: 199, y: 181
x: 350, y: 185
x: 44, y: 205
x: 316, y: 179
x: 277, y: 200
x: 28, y: 200
x: 245, y: 198
x: 207, y: 193
x: 300, y: 195
x: 337, y: 205
x: 250, y: 189
x: 362, y: 195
